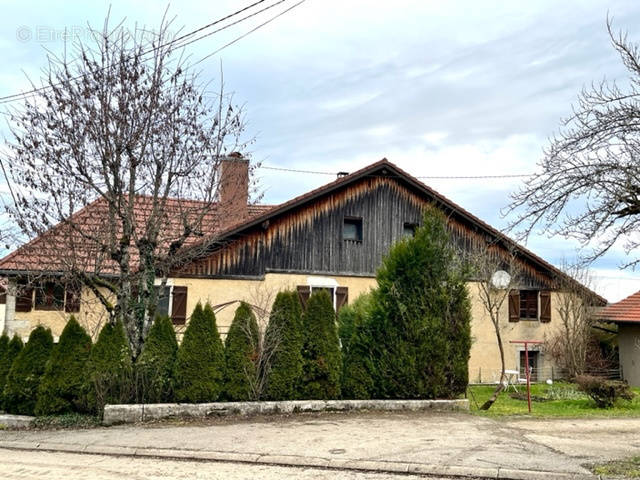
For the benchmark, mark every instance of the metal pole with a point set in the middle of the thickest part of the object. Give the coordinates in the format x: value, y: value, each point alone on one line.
x: 526, y: 363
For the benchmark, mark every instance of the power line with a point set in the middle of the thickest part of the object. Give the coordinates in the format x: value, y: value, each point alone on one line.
x: 250, y: 32
x: 22, y: 95
x: 441, y: 177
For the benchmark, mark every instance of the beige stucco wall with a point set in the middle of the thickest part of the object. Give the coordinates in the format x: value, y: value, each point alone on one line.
x: 257, y: 292
x: 484, y: 364
x: 629, y: 348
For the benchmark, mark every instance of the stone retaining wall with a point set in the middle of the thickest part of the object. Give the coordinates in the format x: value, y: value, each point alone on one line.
x: 115, y: 414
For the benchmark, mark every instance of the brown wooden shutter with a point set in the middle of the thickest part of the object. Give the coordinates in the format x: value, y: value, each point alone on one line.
x: 179, y: 306
x: 72, y: 300
x: 514, y: 305
x: 3, y: 297
x: 24, y: 299
x: 545, y: 307
x: 304, y: 292
x: 342, y: 297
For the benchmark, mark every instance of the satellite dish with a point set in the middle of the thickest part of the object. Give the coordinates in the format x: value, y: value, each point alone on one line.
x: 500, y: 279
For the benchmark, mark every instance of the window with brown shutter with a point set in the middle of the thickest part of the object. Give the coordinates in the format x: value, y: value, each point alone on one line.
x: 545, y: 307
x: 514, y: 306
x: 179, y: 305
x: 342, y: 297
x: 72, y: 299
x: 304, y: 292
x: 24, y: 298
x: 528, y: 305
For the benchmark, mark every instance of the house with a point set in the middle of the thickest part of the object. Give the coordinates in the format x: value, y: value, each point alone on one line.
x: 626, y: 314
x: 331, y: 238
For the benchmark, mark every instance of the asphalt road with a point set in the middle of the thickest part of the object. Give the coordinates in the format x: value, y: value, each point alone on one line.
x: 21, y: 465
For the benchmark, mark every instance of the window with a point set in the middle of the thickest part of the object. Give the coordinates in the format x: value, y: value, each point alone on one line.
x: 163, y: 297
x: 339, y: 294
x: 533, y: 364
x: 529, y: 304
x: 172, y: 302
x: 409, y: 229
x: 352, y: 229
x: 49, y: 296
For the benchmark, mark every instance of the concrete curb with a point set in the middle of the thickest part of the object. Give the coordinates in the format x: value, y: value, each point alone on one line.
x: 16, y: 421
x: 379, y: 466
x: 118, y: 414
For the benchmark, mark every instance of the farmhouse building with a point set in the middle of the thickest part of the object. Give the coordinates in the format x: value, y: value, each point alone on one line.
x: 331, y: 238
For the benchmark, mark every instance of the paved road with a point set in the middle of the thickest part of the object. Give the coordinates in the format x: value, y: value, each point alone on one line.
x: 16, y: 465
x: 451, y: 439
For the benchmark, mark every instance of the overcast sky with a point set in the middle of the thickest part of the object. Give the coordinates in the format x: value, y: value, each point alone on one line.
x: 439, y: 88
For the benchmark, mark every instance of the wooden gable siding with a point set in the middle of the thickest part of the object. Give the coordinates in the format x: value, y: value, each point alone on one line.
x: 309, y: 239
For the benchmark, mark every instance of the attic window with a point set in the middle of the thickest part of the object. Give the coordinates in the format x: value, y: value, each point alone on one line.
x: 352, y: 229
x: 409, y: 229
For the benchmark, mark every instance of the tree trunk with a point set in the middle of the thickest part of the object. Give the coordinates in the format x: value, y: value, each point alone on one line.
x: 487, y: 405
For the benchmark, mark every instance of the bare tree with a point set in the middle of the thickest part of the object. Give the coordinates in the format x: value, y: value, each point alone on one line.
x: 120, y: 126
x: 493, y: 292
x: 589, y: 184
x: 575, y: 308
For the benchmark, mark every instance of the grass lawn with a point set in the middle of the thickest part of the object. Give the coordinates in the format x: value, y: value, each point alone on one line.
x: 629, y: 468
x: 561, y: 400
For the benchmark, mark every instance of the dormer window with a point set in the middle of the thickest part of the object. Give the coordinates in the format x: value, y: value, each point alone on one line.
x: 409, y: 229
x: 352, y: 229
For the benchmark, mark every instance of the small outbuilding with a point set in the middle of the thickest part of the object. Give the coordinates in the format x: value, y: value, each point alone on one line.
x: 626, y: 314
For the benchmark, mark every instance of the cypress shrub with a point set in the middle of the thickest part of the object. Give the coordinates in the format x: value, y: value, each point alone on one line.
x: 284, y: 339
x: 356, y: 339
x: 322, y: 362
x: 14, y: 347
x: 110, y: 368
x: 420, y: 318
x: 200, y: 363
x: 62, y: 389
x: 26, y: 372
x: 241, y: 351
x: 155, y: 365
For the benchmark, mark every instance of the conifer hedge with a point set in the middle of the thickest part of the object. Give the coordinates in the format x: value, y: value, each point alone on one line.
x: 63, y: 385
x: 420, y: 319
x: 322, y: 361
x: 241, y: 352
x: 284, y: 336
x: 9, y: 350
x: 110, y: 368
x: 24, y: 377
x: 200, y: 363
x: 155, y: 365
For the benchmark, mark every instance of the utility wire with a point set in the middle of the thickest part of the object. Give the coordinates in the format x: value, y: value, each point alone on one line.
x: 442, y: 177
x: 23, y: 95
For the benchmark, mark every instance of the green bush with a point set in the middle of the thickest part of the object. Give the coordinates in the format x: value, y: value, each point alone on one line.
x: 322, y: 361
x: 26, y: 372
x: 155, y: 365
x: 9, y: 350
x: 284, y: 340
x: 200, y: 363
x: 604, y: 392
x: 420, y: 317
x: 63, y: 386
x: 110, y: 369
x: 241, y: 351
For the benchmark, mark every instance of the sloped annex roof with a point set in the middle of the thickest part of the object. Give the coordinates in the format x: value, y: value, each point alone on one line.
x: 46, y: 253
x: 626, y: 310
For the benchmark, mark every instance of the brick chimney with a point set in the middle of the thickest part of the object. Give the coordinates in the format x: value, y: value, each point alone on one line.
x: 234, y: 189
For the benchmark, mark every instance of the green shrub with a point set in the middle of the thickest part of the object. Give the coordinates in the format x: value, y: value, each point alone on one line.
x: 604, y: 392
x: 241, y: 351
x: 110, y: 368
x: 9, y: 350
x: 284, y: 340
x: 355, y: 338
x: 155, y: 365
x: 63, y: 385
x: 420, y: 317
x: 200, y: 363
x: 322, y: 361
x: 26, y: 372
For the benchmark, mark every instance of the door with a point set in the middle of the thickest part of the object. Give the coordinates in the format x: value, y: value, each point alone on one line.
x: 533, y: 365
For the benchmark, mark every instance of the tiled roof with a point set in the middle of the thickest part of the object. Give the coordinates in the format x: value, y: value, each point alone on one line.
x: 626, y: 310
x: 63, y: 248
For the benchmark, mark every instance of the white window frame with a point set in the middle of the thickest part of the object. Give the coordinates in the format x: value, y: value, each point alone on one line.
x: 169, y: 284
x: 325, y: 283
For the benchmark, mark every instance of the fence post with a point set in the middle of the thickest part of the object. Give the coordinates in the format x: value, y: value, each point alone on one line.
x: 553, y: 379
x: 479, y: 374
